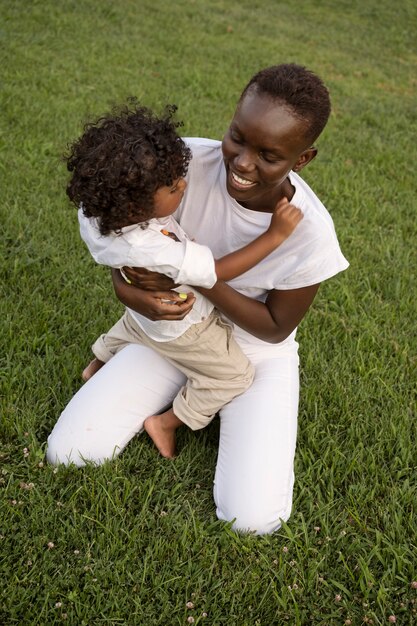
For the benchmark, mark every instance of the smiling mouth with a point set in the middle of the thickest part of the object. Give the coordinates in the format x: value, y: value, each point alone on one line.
x: 241, y: 183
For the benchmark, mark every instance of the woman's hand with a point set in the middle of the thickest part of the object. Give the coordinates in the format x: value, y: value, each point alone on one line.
x: 155, y: 305
x: 150, y: 281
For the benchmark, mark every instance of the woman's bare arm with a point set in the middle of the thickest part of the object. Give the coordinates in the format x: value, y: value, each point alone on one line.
x: 272, y: 321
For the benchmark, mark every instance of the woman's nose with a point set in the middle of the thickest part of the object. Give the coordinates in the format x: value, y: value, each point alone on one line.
x: 244, y: 161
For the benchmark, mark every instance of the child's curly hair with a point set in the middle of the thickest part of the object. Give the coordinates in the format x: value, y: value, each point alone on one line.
x: 121, y: 160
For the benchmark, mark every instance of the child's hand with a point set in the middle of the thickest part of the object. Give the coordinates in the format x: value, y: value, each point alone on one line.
x: 285, y: 218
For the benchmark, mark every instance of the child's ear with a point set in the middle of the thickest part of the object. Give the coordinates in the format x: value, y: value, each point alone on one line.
x: 305, y: 158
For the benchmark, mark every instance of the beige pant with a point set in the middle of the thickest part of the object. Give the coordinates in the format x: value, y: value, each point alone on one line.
x: 215, y: 366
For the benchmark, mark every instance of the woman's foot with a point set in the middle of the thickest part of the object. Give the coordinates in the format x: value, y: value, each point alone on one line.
x: 91, y: 369
x: 161, y: 429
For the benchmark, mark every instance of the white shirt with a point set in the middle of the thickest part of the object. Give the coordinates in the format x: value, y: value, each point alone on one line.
x: 310, y: 255
x: 186, y: 262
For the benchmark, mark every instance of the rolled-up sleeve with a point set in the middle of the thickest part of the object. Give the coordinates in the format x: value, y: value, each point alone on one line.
x: 186, y: 262
x: 197, y: 267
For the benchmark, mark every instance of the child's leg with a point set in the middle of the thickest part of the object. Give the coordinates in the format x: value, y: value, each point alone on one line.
x: 91, y: 369
x: 107, y: 345
x: 217, y: 371
x: 161, y: 429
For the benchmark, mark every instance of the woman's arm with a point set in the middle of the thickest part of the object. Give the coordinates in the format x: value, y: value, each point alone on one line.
x: 272, y: 321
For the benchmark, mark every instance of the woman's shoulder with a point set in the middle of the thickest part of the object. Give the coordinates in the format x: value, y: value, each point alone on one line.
x: 314, y: 242
x: 207, y: 160
x: 316, y: 216
x: 204, y: 150
x: 201, y: 143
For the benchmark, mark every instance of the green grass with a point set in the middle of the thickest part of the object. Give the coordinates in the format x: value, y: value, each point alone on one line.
x: 137, y: 539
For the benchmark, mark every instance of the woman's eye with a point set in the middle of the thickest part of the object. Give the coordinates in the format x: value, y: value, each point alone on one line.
x: 270, y: 158
x: 235, y: 138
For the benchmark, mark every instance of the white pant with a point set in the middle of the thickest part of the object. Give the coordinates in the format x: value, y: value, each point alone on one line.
x: 254, y: 475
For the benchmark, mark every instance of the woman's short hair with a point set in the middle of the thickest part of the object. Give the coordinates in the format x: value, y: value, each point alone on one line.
x: 298, y: 88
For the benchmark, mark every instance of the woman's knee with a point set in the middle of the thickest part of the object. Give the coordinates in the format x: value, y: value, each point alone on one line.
x: 254, y: 521
x: 256, y: 515
x: 81, y: 448
x: 59, y: 453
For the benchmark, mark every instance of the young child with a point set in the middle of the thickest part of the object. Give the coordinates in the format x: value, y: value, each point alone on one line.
x: 127, y: 179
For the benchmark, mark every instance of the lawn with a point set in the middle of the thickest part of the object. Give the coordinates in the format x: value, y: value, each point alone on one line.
x: 136, y: 541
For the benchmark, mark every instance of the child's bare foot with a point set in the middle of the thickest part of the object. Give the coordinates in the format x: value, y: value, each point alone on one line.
x: 161, y: 429
x: 91, y: 369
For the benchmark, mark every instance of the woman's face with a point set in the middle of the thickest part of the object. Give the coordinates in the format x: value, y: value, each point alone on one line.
x: 263, y: 143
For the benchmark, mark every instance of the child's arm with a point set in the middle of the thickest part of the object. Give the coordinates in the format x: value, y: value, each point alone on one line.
x: 284, y: 220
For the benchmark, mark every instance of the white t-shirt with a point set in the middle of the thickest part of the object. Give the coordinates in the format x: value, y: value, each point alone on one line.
x: 310, y: 255
x: 186, y: 262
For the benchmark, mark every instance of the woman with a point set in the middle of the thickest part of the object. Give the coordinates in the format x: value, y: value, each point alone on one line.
x: 232, y: 190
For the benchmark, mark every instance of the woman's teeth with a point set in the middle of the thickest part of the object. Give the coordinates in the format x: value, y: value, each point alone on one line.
x: 242, y: 181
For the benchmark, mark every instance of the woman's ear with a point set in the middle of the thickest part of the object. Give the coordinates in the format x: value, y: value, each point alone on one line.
x: 305, y: 158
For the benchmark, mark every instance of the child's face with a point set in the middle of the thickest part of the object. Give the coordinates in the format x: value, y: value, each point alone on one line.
x: 167, y: 199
